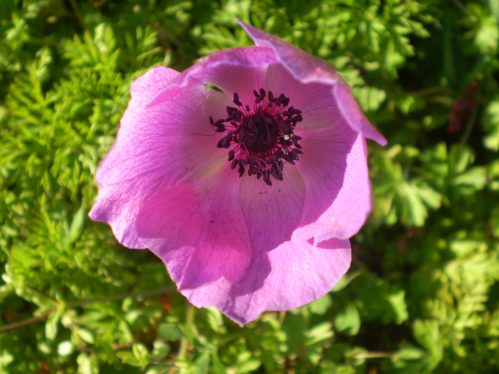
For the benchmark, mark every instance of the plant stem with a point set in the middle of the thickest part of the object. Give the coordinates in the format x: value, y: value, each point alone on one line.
x: 80, y: 303
x: 369, y: 355
x: 189, y: 323
x: 26, y: 322
x: 469, y: 127
x: 77, y: 14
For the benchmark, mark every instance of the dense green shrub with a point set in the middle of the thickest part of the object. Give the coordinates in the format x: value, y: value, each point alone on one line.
x: 422, y: 293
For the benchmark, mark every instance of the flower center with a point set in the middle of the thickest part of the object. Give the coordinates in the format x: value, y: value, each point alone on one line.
x: 260, y: 139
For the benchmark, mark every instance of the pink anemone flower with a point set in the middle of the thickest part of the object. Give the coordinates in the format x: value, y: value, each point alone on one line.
x: 246, y: 175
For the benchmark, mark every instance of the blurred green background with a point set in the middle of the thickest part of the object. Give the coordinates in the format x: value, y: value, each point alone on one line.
x: 422, y: 293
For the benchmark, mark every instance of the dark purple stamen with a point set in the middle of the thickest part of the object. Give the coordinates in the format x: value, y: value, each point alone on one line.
x: 261, y: 138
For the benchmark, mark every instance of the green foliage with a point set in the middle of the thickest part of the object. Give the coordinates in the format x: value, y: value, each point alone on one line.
x: 422, y: 292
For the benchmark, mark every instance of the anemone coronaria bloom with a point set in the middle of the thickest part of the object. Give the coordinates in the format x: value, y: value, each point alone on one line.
x: 246, y: 175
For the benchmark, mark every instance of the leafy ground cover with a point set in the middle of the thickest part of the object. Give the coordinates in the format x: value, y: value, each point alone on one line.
x: 422, y: 294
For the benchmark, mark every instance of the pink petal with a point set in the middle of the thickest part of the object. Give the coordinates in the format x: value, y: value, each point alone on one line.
x: 199, y: 232
x: 240, y: 70
x: 315, y: 100
x: 334, y: 163
x: 307, y: 68
x: 239, y: 259
x: 165, y: 138
x: 147, y: 86
x: 335, y: 170
x: 354, y: 115
x: 283, y: 274
x: 289, y: 276
x: 272, y: 213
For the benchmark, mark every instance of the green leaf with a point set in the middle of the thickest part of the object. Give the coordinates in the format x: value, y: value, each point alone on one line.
x: 319, y: 333
x: 321, y: 305
x: 347, y: 320
x: 87, y: 364
x: 428, y: 335
x: 169, y: 332
x: 491, y: 125
x: 85, y: 335
x: 76, y: 228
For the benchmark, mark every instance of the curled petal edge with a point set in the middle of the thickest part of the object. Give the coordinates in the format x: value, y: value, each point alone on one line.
x: 307, y: 68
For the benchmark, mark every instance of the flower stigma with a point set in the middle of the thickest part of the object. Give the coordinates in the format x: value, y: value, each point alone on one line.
x: 261, y: 138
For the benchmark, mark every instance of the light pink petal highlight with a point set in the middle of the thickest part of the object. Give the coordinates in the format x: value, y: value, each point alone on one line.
x: 145, y: 87
x: 307, y: 68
